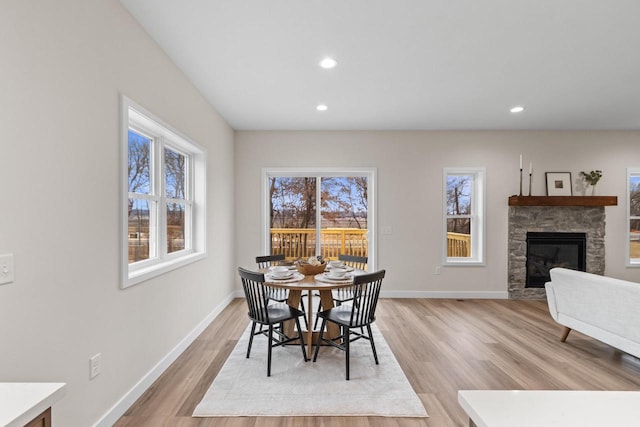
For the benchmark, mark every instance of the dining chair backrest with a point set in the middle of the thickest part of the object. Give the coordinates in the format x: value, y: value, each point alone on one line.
x: 256, y: 294
x: 265, y: 261
x: 366, y: 291
x: 359, y: 262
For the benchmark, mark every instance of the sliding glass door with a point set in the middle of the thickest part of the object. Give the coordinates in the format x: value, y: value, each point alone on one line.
x: 318, y: 212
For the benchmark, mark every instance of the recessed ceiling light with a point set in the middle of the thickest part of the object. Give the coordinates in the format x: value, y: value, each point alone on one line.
x: 321, y: 107
x: 328, y: 63
x: 517, y: 109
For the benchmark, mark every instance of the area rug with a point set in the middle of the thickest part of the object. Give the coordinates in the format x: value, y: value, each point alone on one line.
x: 296, y: 388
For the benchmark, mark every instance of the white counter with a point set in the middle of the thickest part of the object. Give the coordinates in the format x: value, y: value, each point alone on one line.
x: 540, y: 408
x: 22, y: 402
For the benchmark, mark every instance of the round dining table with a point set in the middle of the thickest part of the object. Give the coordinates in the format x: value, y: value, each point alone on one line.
x: 319, y: 283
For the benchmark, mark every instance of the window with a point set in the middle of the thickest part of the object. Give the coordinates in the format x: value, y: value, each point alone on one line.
x: 318, y: 212
x: 164, y: 175
x: 463, y: 216
x: 633, y: 217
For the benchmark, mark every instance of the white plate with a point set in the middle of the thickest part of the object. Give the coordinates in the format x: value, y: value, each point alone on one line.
x: 346, y: 267
x: 339, y: 279
x: 288, y: 276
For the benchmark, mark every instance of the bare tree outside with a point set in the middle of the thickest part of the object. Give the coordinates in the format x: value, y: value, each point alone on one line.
x: 459, y: 193
x: 139, y: 165
x: 344, y: 202
x: 343, y: 205
x: 139, y: 173
x: 293, y: 202
x: 175, y: 182
x: 458, y: 198
x: 634, y: 214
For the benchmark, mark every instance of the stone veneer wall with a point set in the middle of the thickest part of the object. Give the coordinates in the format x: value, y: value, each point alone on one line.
x: 569, y: 219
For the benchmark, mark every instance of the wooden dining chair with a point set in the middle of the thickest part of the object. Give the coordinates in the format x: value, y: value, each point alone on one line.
x: 358, y: 315
x: 358, y: 262
x: 265, y: 314
x: 266, y: 261
x: 278, y: 294
x: 343, y: 294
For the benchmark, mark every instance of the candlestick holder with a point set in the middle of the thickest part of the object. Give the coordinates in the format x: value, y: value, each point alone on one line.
x: 529, y: 184
x: 520, y: 182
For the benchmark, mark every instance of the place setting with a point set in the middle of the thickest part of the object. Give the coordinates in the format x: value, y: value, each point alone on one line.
x: 282, y: 274
x: 336, y: 272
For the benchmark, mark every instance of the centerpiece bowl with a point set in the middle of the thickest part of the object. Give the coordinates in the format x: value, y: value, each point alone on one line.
x: 309, y: 269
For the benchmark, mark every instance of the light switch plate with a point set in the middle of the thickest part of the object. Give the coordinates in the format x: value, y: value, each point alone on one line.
x: 6, y: 269
x: 95, y: 367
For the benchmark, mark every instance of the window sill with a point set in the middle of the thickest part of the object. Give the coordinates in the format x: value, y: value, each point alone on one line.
x: 155, y: 270
x: 463, y: 263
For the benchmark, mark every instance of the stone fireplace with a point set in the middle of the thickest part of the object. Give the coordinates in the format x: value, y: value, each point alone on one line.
x: 526, y: 216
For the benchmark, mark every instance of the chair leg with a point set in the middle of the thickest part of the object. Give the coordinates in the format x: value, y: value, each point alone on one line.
x: 373, y: 346
x: 315, y: 353
x: 315, y: 324
x: 346, y: 340
x: 270, y: 343
x: 304, y: 350
x: 253, y: 331
x: 306, y: 325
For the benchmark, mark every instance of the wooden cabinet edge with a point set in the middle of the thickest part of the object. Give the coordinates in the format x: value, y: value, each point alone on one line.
x: 42, y: 420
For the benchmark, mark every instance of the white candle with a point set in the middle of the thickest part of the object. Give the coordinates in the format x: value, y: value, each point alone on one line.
x: 530, y: 167
x: 520, y: 161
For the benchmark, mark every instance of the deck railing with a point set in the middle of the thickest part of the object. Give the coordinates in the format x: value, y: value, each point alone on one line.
x: 458, y: 245
x: 297, y: 243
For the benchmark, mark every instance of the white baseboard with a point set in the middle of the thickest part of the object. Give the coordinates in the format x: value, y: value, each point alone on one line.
x: 447, y: 295
x: 110, y: 418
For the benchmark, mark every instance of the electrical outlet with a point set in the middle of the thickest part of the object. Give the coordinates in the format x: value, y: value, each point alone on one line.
x: 6, y: 269
x: 95, y: 366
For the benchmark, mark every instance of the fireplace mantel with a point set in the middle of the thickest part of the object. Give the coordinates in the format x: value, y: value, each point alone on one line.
x: 589, y: 201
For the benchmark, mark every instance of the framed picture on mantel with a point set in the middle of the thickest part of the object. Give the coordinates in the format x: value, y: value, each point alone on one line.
x: 558, y: 183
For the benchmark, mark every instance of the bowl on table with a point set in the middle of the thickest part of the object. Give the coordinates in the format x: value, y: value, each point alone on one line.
x: 337, y: 273
x: 280, y: 271
x: 335, y: 264
x: 310, y: 269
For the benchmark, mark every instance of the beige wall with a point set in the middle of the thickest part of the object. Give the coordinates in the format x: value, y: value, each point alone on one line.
x: 63, y: 67
x: 410, y: 192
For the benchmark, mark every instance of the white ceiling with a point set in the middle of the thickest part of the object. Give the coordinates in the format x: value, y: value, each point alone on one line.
x: 407, y: 64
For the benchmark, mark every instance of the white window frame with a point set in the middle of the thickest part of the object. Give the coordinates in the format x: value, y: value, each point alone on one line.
x: 478, y: 218
x: 137, y: 118
x: 635, y: 262
x: 370, y: 173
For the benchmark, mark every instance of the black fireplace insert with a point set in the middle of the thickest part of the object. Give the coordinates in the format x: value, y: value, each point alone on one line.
x: 548, y: 250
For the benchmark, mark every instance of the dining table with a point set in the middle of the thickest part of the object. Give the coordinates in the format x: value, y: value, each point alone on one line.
x: 321, y: 284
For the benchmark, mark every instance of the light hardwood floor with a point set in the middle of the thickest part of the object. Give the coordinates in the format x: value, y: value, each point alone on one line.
x: 442, y: 345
